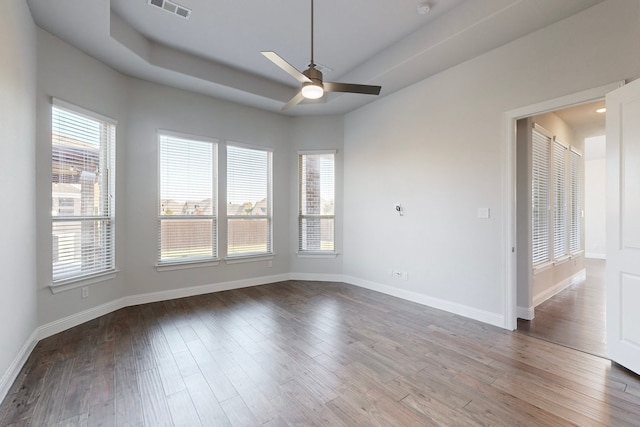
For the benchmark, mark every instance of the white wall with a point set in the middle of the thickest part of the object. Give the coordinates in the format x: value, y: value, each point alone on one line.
x: 437, y: 148
x: 18, y: 315
x: 595, y: 198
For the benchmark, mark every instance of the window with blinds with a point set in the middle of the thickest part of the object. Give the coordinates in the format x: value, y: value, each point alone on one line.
x: 560, y: 223
x: 540, y: 214
x: 187, y: 209
x: 82, y: 193
x: 316, y: 213
x: 249, y: 216
x: 575, y: 201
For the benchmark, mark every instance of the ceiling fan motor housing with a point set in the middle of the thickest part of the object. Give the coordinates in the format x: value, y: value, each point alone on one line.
x: 314, y: 88
x: 313, y: 74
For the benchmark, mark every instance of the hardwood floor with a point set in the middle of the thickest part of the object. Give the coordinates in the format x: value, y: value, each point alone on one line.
x: 576, y: 316
x: 310, y: 353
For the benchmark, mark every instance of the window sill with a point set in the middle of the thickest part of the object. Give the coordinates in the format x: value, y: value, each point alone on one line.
x: 171, y: 266
x: 249, y: 258
x: 542, y: 267
x: 69, y: 284
x: 561, y: 260
x: 311, y: 254
x: 577, y: 254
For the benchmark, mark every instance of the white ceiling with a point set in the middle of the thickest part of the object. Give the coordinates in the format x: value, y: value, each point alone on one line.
x: 217, y: 50
x: 584, y: 119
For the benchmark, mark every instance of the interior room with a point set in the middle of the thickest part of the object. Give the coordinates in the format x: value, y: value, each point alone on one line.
x: 190, y: 238
x: 567, y: 304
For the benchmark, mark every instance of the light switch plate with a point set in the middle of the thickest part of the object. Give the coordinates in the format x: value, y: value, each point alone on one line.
x: 483, y: 213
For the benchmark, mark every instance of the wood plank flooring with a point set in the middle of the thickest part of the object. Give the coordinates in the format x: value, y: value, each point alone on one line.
x: 576, y: 316
x: 310, y: 354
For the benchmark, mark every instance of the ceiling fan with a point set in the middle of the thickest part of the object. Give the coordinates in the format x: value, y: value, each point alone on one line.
x: 312, y: 85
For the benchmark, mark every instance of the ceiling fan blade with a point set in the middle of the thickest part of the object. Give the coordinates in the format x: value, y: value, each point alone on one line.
x: 276, y: 59
x: 351, y: 88
x: 294, y: 101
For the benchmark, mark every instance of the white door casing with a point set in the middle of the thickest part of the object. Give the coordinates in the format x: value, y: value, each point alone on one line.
x: 623, y: 226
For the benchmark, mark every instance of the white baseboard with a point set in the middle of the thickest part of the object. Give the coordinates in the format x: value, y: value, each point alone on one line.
x: 204, y: 289
x: 65, y: 323
x: 317, y: 277
x: 12, y: 372
x: 558, y: 287
x: 594, y: 255
x: 526, y: 313
x: 76, y: 319
x: 452, y: 307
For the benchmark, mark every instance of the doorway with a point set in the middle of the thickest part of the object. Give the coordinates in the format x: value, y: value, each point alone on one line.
x: 560, y: 193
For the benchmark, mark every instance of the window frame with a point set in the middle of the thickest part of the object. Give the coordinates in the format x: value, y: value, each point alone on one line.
x: 316, y: 252
x: 189, y: 261
x: 76, y: 278
x: 231, y: 258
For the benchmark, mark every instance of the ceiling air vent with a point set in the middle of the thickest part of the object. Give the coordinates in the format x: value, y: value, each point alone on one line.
x: 171, y: 7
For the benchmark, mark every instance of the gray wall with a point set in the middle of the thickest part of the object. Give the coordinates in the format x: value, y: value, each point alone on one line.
x: 152, y: 107
x: 18, y: 315
x: 316, y: 133
x: 595, y: 198
x: 141, y: 109
x: 437, y: 147
x: 524, y: 173
x: 66, y: 73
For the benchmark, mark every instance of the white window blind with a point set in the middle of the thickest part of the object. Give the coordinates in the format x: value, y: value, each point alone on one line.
x: 82, y: 193
x: 249, y: 217
x: 560, y: 223
x: 540, y: 197
x: 316, y: 215
x: 575, y: 199
x: 188, y: 203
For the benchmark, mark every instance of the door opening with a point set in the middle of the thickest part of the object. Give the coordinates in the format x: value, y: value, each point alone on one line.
x: 560, y: 287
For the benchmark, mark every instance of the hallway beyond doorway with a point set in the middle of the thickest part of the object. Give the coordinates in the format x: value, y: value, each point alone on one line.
x: 575, y: 317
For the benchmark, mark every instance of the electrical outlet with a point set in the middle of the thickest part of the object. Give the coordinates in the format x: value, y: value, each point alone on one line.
x: 404, y: 275
x: 270, y: 264
x: 84, y: 292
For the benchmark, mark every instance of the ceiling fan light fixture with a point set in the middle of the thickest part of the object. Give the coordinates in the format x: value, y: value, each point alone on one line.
x: 312, y: 90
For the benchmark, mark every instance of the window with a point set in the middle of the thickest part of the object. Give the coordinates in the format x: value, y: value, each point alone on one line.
x: 556, y: 199
x: 560, y: 223
x: 187, y: 212
x: 82, y: 193
x: 249, y: 214
x: 575, y: 202
x: 316, y: 210
x: 540, y: 196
